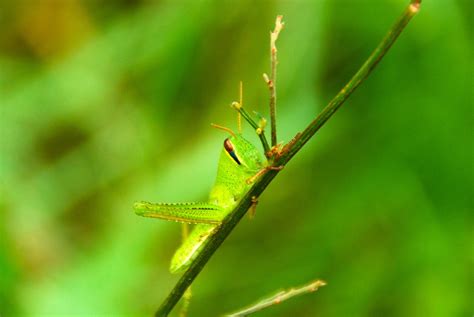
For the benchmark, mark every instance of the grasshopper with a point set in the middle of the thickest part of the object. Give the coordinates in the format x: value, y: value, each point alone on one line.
x: 239, y: 165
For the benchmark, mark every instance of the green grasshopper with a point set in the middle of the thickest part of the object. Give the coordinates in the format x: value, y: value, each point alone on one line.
x: 239, y: 165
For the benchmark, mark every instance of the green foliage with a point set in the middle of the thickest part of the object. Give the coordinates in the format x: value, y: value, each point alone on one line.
x: 102, y: 106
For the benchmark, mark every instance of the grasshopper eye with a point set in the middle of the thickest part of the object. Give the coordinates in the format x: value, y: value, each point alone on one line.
x: 230, y: 149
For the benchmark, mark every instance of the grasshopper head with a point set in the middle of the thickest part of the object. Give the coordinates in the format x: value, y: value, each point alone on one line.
x: 239, y: 161
x: 243, y: 153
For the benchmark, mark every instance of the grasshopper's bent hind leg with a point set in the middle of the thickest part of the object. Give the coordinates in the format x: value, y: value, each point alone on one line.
x: 206, y: 216
x: 191, y: 247
x: 195, y: 213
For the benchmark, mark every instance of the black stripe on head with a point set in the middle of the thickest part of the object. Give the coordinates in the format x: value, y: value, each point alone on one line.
x: 230, y: 149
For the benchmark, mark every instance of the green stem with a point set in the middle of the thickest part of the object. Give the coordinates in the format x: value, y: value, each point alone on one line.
x: 188, y: 293
x: 286, y: 154
x: 258, y: 129
x: 301, y: 138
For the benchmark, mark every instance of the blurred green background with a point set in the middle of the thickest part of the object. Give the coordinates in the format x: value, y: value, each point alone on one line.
x: 106, y: 103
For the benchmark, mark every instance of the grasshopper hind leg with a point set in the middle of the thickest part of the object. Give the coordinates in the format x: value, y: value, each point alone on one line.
x: 191, y: 247
x: 195, y: 213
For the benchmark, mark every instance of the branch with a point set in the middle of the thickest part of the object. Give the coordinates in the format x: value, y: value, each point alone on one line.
x: 259, y: 127
x: 300, y: 139
x: 288, y: 151
x: 271, y: 82
x: 278, y: 298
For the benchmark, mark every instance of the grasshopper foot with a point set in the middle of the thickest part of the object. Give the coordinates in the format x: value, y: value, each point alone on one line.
x: 253, y: 207
x: 263, y: 171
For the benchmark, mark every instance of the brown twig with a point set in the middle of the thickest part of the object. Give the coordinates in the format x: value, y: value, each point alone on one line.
x: 271, y: 81
x: 278, y: 298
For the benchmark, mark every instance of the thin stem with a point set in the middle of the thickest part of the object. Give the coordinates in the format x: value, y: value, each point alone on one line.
x: 271, y: 82
x: 278, y: 298
x: 301, y: 138
x: 188, y: 293
x: 289, y: 150
x: 259, y: 128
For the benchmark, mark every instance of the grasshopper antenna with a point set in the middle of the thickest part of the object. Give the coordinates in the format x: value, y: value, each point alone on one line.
x: 239, y: 116
x: 223, y: 128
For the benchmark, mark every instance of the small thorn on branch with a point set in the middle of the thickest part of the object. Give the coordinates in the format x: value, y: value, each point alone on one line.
x: 268, y: 81
x: 265, y: 78
x: 415, y: 6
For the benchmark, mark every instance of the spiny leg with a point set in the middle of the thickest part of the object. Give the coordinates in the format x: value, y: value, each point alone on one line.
x: 195, y: 213
x: 263, y: 171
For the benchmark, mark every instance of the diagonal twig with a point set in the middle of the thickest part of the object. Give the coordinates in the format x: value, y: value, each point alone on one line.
x: 278, y: 298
